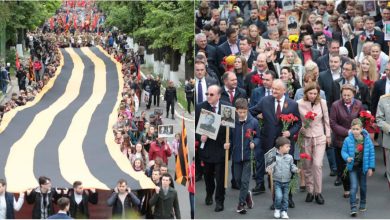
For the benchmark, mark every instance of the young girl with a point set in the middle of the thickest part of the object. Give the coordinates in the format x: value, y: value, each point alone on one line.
x: 358, y: 151
x: 138, y: 165
x: 175, y: 145
x: 138, y: 153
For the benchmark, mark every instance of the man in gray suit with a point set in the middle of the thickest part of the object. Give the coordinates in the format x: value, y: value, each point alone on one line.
x: 383, y: 120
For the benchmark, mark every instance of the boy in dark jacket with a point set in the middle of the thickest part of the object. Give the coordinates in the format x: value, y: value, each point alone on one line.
x: 246, y: 138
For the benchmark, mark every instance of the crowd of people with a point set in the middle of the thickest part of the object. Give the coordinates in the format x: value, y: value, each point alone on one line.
x: 34, y: 73
x: 322, y: 63
x: 136, y: 132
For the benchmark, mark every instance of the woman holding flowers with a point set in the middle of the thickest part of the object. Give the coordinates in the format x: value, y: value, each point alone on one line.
x: 314, y: 135
x: 341, y: 115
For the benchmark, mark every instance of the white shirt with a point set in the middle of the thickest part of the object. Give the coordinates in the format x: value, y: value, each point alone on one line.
x: 336, y: 75
x: 387, y: 90
x: 281, y: 103
x: 268, y: 92
x: 352, y: 81
x: 233, y: 48
x: 3, y: 205
x: 78, y: 198
x: 204, y: 88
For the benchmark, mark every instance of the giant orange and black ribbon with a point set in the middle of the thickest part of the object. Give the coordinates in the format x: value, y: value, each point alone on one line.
x: 31, y: 75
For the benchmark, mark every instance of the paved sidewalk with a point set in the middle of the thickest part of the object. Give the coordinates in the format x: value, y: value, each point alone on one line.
x: 12, y: 87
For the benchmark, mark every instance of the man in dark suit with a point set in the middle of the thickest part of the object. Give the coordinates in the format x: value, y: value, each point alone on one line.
x: 254, y: 19
x: 247, y: 52
x: 263, y: 63
x: 229, y: 47
x: 327, y: 77
x: 371, y: 34
x: 165, y: 200
x: 202, y: 82
x: 320, y: 44
x: 270, y: 108
x: 323, y: 61
x: 231, y: 92
x: 212, y: 152
x: 79, y: 199
x: 385, y: 17
x: 381, y: 87
x: 63, y: 204
x: 265, y: 90
x: 308, y: 52
x: 349, y: 76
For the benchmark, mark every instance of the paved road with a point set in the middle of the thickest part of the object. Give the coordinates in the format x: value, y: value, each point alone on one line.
x: 335, y: 207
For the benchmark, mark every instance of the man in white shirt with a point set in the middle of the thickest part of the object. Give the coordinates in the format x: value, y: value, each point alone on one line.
x: 8, y: 203
x: 202, y: 82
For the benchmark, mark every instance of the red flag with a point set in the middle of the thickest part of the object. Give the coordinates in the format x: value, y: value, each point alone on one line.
x: 17, y: 63
x: 95, y: 20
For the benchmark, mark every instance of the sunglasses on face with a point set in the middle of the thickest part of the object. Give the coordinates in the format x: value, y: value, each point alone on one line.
x: 209, y: 94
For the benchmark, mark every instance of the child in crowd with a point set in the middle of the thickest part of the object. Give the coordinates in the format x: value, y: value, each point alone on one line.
x: 138, y: 152
x: 282, y: 176
x: 175, y: 144
x: 247, y: 137
x: 358, y: 151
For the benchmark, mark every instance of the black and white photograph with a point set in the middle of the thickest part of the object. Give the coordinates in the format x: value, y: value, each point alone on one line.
x: 288, y: 5
x: 209, y: 123
x: 292, y: 22
x: 165, y: 131
x: 370, y: 7
x: 228, y: 115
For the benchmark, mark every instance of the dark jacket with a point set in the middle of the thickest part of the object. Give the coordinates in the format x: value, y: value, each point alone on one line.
x: 36, y: 198
x: 239, y: 93
x: 249, y: 86
x: 170, y: 94
x: 211, y: 54
x: 224, y: 50
x: 156, y: 85
x: 147, y: 85
x: 213, y: 150
x: 362, y: 92
x: 131, y: 202
x: 341, y: 119
x: 88, y: 196
x: 165, y: 206
x: 60, y: 216
x: 240, y: 143
x: 251, y: 59
x: 377, y: 92
x: 380, y: 39
x: 272, y: 127
x: 9, y: 200
x: 315, y: 54
x: 189, y: 90
x: 326, y: 83
x: 260, y: 25
x: 323, y: 62
x: 257, y: 94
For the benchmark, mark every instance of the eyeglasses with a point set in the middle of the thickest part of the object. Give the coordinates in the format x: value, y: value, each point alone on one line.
x: 209, y: 94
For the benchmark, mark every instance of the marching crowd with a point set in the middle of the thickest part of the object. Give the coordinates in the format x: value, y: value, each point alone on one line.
x: 310, y: 78
x: 136, y: 132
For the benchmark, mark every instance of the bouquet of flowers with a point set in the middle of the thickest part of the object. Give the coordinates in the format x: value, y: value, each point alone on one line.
x: 257, y: 80
x: 368, y: 121
x: 287, y: 120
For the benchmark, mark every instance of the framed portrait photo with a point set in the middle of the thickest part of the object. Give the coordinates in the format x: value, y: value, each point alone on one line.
x: 228, y: 116
x: 209, y: 123
x: 165, y: 131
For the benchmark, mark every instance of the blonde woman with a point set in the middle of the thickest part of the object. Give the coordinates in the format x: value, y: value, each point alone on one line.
x: 291, y: 58
x: 368, y: 72
x: 254, y: 36
x: 312, y: 67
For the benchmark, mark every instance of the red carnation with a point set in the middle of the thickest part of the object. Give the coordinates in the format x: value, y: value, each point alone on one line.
x: 305, y: 156
x: 248, y: 133
x: 374, y: 38
x: 257, y: 80
x: 359, y: 147
x: 363, y: 37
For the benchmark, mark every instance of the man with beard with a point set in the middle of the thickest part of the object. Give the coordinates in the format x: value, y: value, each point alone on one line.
x: 308, y: 52
x: 320, y: 45
x: 79, y: 199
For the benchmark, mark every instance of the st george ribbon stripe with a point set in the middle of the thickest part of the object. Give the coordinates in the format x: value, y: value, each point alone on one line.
x: 47, y: 154
x: 97, y: 153
x: 19, y: 167
x: 19, y: 122
x: 71, y: 155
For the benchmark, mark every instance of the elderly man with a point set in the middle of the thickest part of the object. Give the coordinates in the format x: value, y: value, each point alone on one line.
x: 270, y: 108
x: 383, y: 120
x: 381, y: 87
x: 212, y: 152
x: 201, y: 45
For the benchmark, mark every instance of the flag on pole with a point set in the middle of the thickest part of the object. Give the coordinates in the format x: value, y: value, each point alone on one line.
x: 17, y: 63
x: 75, y: 22
x: 51, y: 23
x: 138, y: 71
x: 182, y: 158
